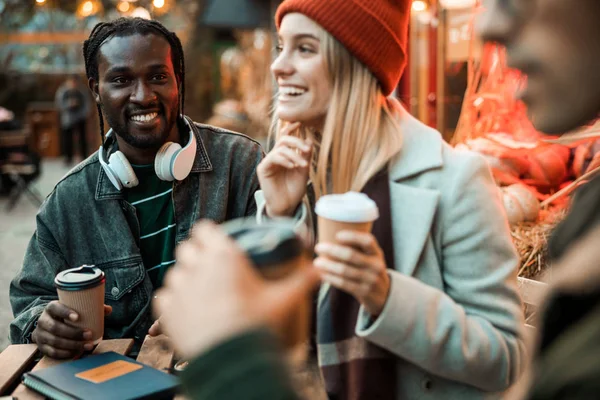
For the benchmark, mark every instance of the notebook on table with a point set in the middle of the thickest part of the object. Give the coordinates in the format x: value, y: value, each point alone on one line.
x: 103, y: 376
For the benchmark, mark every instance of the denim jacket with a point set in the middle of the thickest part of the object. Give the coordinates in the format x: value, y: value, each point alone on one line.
x: 85, y: 220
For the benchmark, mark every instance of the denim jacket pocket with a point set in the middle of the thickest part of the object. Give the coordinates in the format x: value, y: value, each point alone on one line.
x: 127, y: 293
x: 122, y: 276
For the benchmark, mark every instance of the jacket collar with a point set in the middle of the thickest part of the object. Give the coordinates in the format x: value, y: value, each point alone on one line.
x: 105, y: 189
x: 202, y: 161
x: 421, y: 148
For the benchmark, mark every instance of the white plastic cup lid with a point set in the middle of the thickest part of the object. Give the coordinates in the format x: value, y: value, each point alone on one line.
x: 347, y: 207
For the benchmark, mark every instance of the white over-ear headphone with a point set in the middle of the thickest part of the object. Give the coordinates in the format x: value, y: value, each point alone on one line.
x: 171, y: 162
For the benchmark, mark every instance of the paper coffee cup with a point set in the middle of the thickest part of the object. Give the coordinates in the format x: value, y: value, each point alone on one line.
x: 82, y: 290
x: 276, y: 252
x: 349, y: 211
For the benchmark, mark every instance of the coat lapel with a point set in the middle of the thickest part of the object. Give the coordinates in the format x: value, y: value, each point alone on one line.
x: 413, y: 211
x: 413, y: 204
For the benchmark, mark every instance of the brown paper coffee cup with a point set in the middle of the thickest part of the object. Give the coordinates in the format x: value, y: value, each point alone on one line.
x: 296, y: 325
x: 82, y: 290
x: 277, y: 252
x: 329, y: 228
x: 350, y: 211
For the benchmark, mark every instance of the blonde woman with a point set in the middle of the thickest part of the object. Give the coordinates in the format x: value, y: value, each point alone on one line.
x: 427, y: 305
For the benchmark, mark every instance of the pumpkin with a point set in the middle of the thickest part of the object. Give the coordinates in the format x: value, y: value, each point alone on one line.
x: 548, y: 166
x: 507, y: 165
x: 538, y: 164
x: 520, y: 203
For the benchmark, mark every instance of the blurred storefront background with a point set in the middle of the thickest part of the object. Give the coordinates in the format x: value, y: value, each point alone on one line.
x: 228, y: 45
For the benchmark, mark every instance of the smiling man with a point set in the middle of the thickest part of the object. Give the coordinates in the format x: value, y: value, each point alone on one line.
x: 126, y: 207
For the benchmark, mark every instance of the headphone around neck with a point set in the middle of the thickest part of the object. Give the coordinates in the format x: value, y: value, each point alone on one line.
x: 171, y: 162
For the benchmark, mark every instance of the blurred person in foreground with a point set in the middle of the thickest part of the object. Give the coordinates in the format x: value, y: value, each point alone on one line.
x: 556, y: 44
x: 229, y: 329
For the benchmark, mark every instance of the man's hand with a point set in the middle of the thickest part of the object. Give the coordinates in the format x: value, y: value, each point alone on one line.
x: 214, y: 293
x: 55, y: 338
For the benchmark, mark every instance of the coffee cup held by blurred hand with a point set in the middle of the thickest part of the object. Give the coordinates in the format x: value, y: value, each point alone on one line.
x: 82, y: 290
x: 276, y: 251
x: 349, y: 211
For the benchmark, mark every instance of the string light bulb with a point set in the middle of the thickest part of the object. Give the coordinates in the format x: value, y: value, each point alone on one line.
x: 457, y: 4
x: 160, y: 7
x: 419, y: 5
x: 88, y: 7
x: 141, y: 12
x: 123, y: 6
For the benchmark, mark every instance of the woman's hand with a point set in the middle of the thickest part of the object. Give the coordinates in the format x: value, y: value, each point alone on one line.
x: 356, y: 265
x: 283, y: 174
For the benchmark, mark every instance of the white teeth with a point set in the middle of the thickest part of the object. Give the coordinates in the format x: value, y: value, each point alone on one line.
x: 293, y: 91
x: 144, y: 118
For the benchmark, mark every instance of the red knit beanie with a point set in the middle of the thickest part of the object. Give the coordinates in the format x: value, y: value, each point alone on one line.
x: 374, y: 31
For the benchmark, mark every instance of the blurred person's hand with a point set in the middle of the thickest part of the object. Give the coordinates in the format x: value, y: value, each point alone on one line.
x: 55, y: 338
x: 214, y: 293
x: 283, y: 173
x: 156, y: 328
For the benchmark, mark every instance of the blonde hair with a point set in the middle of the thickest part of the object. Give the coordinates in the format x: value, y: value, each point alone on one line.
x: 361, y: 133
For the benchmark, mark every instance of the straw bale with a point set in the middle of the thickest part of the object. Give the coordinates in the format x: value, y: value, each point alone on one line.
x: 531, y: 240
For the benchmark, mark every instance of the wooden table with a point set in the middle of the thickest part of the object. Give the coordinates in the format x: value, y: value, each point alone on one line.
x: 18, y: 359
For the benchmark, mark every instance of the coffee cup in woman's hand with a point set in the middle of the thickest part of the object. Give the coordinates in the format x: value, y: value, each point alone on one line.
x: 350, y: 258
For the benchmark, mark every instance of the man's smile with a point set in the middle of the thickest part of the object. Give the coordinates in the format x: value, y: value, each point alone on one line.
x: 144, y: 117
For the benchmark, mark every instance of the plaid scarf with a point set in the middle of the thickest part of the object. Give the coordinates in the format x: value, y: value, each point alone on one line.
x: 353, y: 368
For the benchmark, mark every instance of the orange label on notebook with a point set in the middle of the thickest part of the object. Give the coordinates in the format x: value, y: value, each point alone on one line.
x: 108, y: 371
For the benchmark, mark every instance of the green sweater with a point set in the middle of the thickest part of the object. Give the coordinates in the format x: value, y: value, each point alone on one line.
x: 248, y: 367
x: 153, y: 202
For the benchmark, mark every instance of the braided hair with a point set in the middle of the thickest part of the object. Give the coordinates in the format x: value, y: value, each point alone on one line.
x: 126, y: 27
